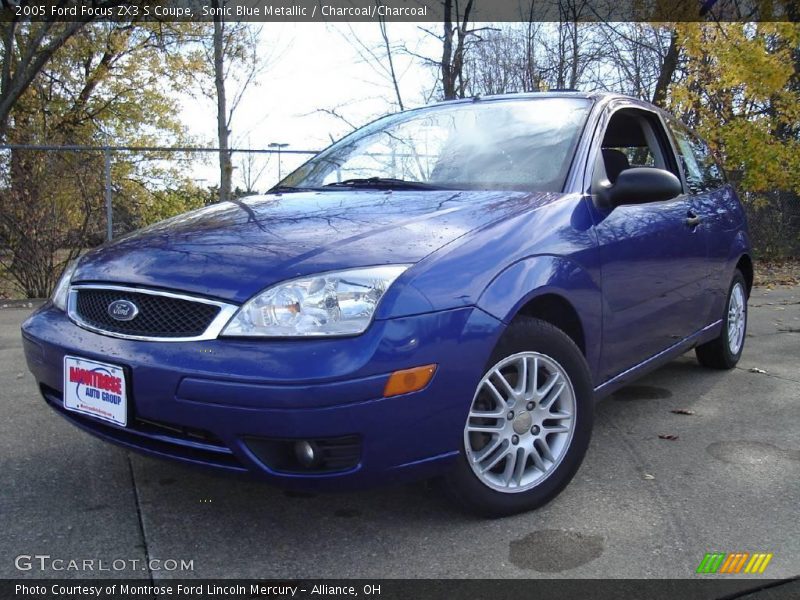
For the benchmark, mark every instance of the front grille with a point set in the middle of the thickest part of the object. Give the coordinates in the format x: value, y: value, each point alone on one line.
x: 158, y: 316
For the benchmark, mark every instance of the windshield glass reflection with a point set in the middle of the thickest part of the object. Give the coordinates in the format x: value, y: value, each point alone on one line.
x: 523, y: 144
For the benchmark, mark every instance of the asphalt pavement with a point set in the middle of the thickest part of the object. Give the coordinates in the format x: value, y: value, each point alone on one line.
x: 640, y: 506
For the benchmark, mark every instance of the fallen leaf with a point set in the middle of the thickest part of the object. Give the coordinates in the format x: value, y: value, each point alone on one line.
x: 682, y: 411
x: 648, y: 476
x: 667, y: 436
x: 757, y: 370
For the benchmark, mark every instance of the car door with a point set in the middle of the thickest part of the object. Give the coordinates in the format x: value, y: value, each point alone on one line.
x: 653, y: 253
x: 714, y: 203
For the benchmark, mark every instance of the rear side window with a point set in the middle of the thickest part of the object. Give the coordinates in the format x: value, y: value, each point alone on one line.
x: 702, y: 172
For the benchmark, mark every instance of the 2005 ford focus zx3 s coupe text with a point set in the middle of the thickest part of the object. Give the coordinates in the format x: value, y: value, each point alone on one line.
x: 445, y: 291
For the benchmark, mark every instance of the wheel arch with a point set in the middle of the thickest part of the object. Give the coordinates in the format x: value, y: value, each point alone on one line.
x: 745, y: 265
x: 740, y: 257
x: 559, y: 312
x: 554, y: 289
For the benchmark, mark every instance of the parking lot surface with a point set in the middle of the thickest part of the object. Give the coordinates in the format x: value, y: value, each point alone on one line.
x: 640, y: 506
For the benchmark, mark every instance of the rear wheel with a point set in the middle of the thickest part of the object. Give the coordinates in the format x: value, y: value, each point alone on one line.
x: 726, y: 350
x: 529, y: 423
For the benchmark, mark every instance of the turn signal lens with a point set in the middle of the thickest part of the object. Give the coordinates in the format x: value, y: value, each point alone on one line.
x: 408, y: 380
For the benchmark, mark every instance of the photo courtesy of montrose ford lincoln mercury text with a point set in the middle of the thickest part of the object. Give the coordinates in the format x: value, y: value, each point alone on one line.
x: 444, y: 292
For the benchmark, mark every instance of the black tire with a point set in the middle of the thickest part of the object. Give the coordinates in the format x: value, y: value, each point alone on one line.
x: 526, y: 334
x: 717, y: 353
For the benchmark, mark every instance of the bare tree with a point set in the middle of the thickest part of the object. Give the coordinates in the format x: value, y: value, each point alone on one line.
x: 390, y: 61
x: 223, y: 119
x: 669, y: 66
x: 570, y: 49
x: 506, y: 61
x: 639, y: 59
x: 531, y: 56
x: 532, y: 74
x: 231, y: 54
x: 251, y: 168
x: 458, y: 39
x: 453, y: 57
x: 380, y: 59
x: 335, y: 112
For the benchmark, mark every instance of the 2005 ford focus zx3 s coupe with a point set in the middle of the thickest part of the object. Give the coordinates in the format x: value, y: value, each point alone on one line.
x: 446, y: 291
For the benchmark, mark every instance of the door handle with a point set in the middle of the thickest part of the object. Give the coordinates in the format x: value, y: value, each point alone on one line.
x: 692, y: 220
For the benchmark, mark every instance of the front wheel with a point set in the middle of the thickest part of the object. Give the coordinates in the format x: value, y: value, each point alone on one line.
x: 529, y: 422
x: 726, y: 350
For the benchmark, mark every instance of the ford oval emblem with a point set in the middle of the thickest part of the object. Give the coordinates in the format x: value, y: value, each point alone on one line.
x: 122, y: 310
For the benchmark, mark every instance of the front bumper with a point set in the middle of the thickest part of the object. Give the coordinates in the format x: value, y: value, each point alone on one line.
x: 202, y: 402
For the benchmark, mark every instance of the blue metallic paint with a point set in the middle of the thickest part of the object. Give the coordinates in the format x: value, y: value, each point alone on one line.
x: 645, y: 287
x: 233, y: 250
x: 309, y: 388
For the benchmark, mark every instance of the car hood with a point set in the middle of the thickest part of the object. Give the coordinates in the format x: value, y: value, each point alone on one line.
x: 232, y: 250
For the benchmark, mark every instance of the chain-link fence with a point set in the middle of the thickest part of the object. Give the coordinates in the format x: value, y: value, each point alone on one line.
x: 59, y: 200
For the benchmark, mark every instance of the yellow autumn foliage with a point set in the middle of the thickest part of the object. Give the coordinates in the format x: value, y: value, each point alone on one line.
x: 741, y: 92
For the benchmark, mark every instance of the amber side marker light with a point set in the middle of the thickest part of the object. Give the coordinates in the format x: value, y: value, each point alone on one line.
x: 408, y: 380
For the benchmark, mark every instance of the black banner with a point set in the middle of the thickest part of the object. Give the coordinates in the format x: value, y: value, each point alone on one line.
x: 402, y: 589
x: 401, y: 10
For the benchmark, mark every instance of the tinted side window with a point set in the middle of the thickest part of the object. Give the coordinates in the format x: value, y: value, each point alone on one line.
x: 701, y: 169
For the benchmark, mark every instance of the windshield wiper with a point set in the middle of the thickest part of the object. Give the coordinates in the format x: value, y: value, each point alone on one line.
x: 278, y: 189
x: 383, y: 183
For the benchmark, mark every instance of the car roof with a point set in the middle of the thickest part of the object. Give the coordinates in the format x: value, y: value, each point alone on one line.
x: 594, y: 96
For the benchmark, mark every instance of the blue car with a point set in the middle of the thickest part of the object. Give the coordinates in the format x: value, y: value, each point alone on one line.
x: 444, y: 292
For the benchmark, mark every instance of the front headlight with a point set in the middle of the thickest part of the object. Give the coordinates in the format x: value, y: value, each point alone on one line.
x: 336, y: 303
x: 61, y: 291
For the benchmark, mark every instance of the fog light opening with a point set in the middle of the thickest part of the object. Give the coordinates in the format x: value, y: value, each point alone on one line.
x: 307, y: 453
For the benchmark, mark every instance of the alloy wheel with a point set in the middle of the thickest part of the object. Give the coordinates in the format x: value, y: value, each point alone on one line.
x: 521, y: 422
x: 736, y: 318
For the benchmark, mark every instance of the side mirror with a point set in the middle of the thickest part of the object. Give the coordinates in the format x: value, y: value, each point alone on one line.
x: 639, y: 185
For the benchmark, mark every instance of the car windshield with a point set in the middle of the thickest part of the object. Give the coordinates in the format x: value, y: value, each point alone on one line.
x: 521, y: 144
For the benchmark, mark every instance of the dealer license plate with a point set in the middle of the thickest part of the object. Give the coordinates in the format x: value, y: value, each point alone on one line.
x: 95, y: 389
